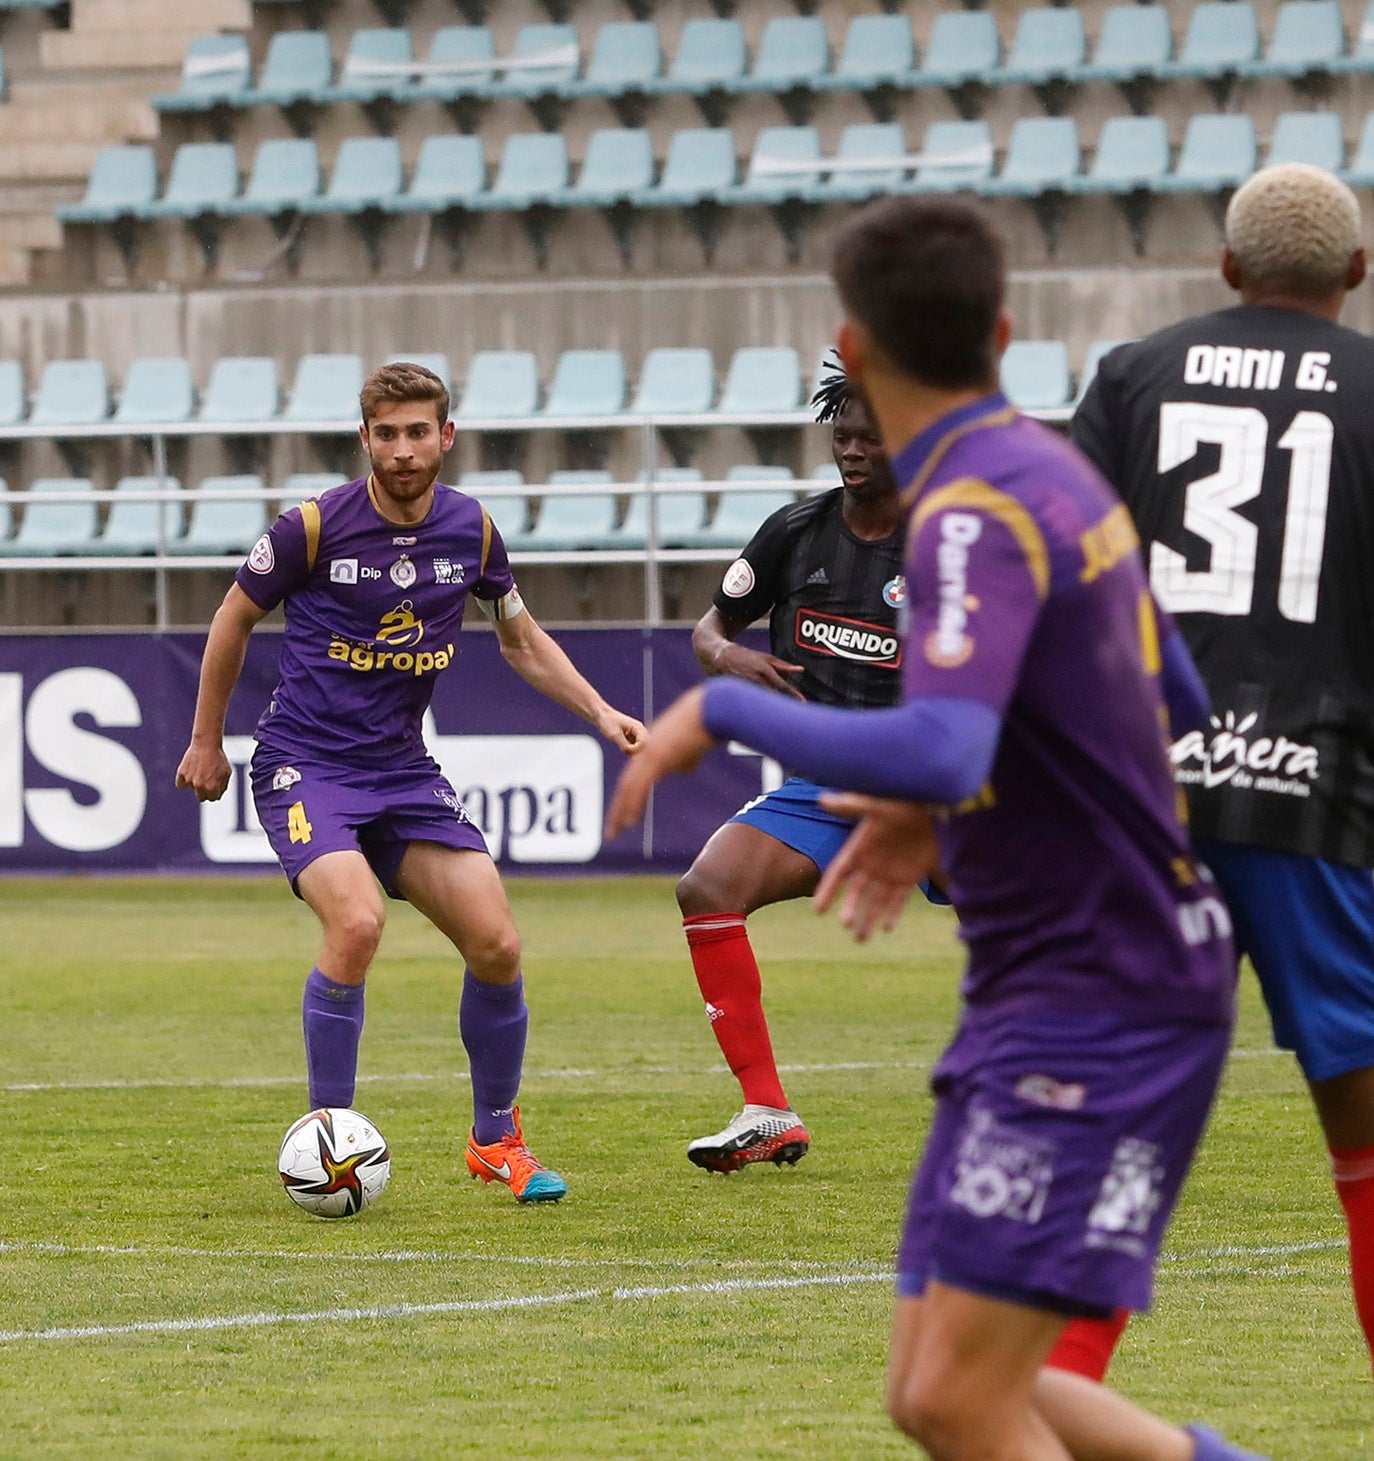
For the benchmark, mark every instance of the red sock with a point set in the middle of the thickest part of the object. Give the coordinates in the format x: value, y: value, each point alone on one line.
x: 1086, y: 1345
x: 728, y: 976
x: 1353, y: 1170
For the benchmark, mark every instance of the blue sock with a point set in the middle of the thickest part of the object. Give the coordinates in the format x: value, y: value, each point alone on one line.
x: 332, y: 1015
x: 1213, y: 1447
x: 493, y: 1020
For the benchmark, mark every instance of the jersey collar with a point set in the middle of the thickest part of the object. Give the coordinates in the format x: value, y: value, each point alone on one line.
x: 915, y: 464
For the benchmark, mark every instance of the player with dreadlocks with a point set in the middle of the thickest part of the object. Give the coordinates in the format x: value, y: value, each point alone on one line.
x: 828, y: 573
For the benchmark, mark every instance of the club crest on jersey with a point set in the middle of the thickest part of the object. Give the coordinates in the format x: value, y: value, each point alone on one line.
x: 284, y: 776
x: 738, y: 580
x: 894, y: 592
x: 447, y: 571
x: 403, y: 573
x: 261, y: 559
x: 852, y: 639
x: 400, y: 626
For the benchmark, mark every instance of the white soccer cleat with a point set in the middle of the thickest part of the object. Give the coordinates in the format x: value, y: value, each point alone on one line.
x: 756, y: 1134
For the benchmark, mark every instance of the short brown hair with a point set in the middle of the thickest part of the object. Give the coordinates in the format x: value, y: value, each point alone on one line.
x: 402, y: 381
x: 926, y: 277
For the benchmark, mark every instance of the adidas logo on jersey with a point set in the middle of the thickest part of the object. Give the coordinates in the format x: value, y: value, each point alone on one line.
x: 820, y: 576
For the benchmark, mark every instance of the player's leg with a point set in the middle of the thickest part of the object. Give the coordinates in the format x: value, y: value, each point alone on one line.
x: 740, y: 870
x: 459, y: 890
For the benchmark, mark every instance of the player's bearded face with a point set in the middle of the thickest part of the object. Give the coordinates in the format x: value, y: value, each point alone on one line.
x: 405, y: 444
x: 859, y: 454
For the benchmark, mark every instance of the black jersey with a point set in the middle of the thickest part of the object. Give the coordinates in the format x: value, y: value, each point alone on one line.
x: 831, y: 598
x: 1243, y: 444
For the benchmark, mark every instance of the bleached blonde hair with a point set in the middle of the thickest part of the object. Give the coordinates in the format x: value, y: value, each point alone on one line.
x: 1294, y: 225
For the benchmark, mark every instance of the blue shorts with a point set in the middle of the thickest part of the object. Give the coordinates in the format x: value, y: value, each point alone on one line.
x: 794, y: 816
x: 1059, y: 1144
x: 1308, y: 928
x: 307, y: 810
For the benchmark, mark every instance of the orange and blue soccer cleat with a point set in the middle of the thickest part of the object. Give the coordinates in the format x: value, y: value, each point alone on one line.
x: 512, y: 1162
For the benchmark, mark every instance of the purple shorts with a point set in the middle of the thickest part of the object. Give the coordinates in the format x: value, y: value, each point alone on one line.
x: 1059, y: 1144
x: 307, y: 810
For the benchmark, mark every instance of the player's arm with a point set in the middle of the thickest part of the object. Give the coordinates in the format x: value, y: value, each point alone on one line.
x: 1185, y: 694
x: 205, y: 767
x: 714, y: 642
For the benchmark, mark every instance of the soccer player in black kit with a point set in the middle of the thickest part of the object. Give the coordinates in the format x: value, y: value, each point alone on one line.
x: 828, y: 573
x: 1243, y: 445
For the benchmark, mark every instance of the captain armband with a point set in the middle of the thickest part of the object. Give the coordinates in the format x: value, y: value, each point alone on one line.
x: 506, y: 607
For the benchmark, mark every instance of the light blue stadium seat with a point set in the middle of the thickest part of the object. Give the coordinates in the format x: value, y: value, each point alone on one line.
x: 367, y: 174
x: 681, y: 514
x: 534, y: 169
x: 879, y: 51
x: 450, y: 173
x: 285, y: 176
x: 132, y: 527
x: 1091, y: 361
x: 1311, y: 137
x: 217, y: 69
x: 738, y: 514
x: 500, y: 383
x: 793, y: 52
x: 510, y: 514
x: 1132, y: 153
x: 789, y: 150
x: 461, y: 57
x: 1221, y: 40
x: 1360, y: 58
x: 955, y: 155
x: 700, y: 166
x: 379, y: 63
x: 549, y: 57
x: 675, y: 381
x: 56, y: 529
x: 627, y: 58
x: 157, y: 392
x: 1042, y: 156
x: 1218, y: 152
x: 761, y: 380
x: 221, y: 524
x: 619, y: 165
x: 710, y: 57
x: 325, y: 389
x: 14, y: 405
x: 204, y: 179
x: 123, y: 182
x: 587, y: 383
x: 1308, y: 39
x: 302, y: 485
x: 827, y: 476
x: 1360, y: 172
x: 964, y: 47
x: 1035, y: 374
x: 298, y: 69
x: 242, y: 388
x: 1135, y: 44
x: 434, y: 361
x: 1048, y: 45
x: 566, y: 524
x: 71, y: 393
x: 878, y: 147
x: 6, y: 517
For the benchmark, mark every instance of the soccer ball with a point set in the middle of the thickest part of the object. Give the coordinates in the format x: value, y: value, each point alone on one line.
x: 334, y: 1162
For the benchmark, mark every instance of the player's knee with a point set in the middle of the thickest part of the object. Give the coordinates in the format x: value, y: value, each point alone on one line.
x: 496, y: 956
x: 698, y: 892
x: 934, y: 1415
x: 359, y: 931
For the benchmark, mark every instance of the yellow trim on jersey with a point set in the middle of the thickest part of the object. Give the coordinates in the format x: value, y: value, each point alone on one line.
x: 372, y: 496
x: 486, y: 541
x: 1001, y: 417
x: 310, y: 519
x: 979, y: 496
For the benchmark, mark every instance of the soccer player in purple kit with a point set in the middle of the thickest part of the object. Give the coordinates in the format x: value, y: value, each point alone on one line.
x: 375, y: 576
x: 1098, y: 995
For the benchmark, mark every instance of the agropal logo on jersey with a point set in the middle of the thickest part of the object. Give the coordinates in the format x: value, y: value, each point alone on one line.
x: 852, y: 639
x: 949, y: 644
x: 398, y: 634
x: 1231, y: 756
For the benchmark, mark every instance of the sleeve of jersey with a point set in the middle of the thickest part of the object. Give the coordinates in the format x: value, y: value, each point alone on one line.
x: 279, y: 563
x: 1094, y: 426
x: 495, y: 591
x: 749, y: 588
x: 1185, y: 694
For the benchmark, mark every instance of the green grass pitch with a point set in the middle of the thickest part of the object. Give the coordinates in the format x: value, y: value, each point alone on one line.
x: 160, y: 1297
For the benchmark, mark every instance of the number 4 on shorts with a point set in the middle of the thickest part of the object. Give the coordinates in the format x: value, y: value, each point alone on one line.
x: 297, y: 825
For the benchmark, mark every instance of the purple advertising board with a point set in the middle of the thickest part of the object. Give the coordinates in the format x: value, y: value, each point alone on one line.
x: 92, y: 727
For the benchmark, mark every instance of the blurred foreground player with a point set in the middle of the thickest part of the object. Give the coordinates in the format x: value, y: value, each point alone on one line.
x: 1098, y: 992
x: 828, y: 573
x: 1243, y: 445
x: 375, y: 575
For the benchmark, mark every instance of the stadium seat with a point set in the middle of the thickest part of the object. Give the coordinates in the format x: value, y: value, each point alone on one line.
x: 1221, y: 41
x: 871, y: 155
x: 296, y: 73
x: 675, y: 382
x: 626, y: 61
x: 534, y: 169
x: 1360, y: 58
x: 681, y: 515
x: 56, y: 529
x: 500, y: 384
x: 1360, y: 172
x: 567, y: 523
x: 6, y: 517
x: 956, y: 155
x: 434, y: 361
x: 71, y: 393
x: 780, y: 166
x: 221, y: 524
x: 1218, y: 153
x: 1035, y: 374
x: 285, y: 176
x: 1308, y: 39
x: 204, y: 180
x: 793, y: 54
x: 827, y: 476
x: 217, y: 70
x: 1047, y: 51
x: 878, y: 60
x: 450, y: 173
x: 1132, y: 158
x: 132, y: 527
x: 157, y: 392
x: 1311, y: 137
x: 122, y: 183
x: 1042, y: 156
x: 963, y: 52
x: 1091, y: 361
x: 458, y: 65
x: 242, y: 388
x: 700, y: 167
x: 587, y: 383
x: 1134, y: 46
x: 619, y: 163
x: 379, y: 64
x: 325, y: 389
x: 761, y: 381
x: 545, y: 63
x: 509, y: 513
x: 710, y: 58
x: 738, y: 514
x: 14, y: 404
x: 301, y: 485
x: 366, y: 180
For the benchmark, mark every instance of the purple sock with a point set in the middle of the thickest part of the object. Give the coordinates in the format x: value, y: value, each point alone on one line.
x: 333, y: 1018
x: 493, y: 1020
x: 1213, y: 1447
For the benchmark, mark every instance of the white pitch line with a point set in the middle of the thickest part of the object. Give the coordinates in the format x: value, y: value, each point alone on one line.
x: 264, y: 1319
x: 1278, y: 1250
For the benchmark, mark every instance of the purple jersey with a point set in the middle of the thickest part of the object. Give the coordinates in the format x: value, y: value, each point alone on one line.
x: 373, y: 611
x: 1071, y: 869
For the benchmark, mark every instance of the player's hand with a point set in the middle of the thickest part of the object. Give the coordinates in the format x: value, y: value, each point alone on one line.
x: 676, y: 741
x: 206, y: 770
x: 623, y: 731
x: 886, y: 855
x: 759, y: 669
